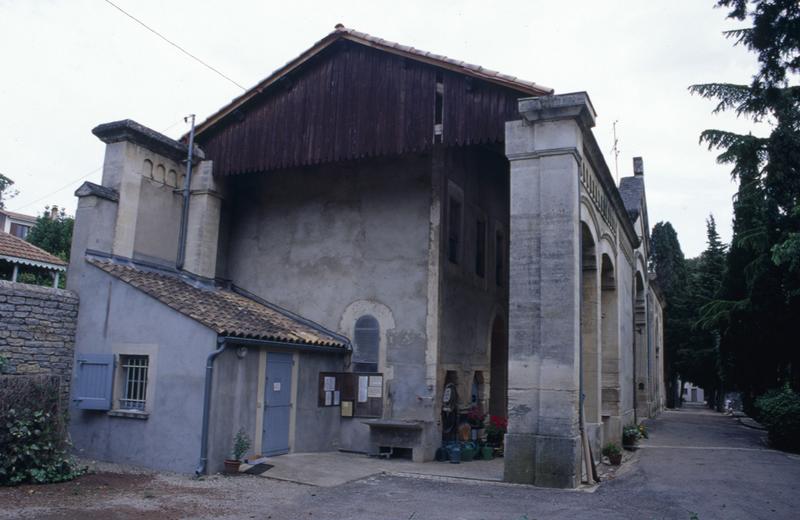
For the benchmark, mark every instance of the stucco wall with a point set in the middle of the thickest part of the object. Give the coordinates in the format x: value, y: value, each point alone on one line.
x: 116, y: 318
x: 323, y: 240
x: 37, y: 330
x: 470, y: 302
x: 237, y: 398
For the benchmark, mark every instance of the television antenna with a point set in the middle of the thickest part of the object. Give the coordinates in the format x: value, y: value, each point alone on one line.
x: 615, y: 151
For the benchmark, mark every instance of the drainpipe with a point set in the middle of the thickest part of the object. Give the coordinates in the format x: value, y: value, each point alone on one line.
x: 202, y: 465
x: 187, y: 183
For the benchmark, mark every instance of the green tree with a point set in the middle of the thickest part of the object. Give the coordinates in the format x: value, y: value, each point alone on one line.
x: 53, y: 233
x: 700, y: 361
x: 760, y: 291
x: 6, y: 192
x: 669, y: 265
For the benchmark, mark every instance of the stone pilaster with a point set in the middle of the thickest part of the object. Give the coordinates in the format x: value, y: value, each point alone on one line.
x: 545, y: 150
x: 202, y: 232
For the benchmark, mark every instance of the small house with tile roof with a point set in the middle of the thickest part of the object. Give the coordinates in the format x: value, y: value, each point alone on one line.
x: 368, y: 244
x: 18, y: 256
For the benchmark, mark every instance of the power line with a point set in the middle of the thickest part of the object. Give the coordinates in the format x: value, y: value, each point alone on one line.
x: 72, y: 182
x: 195, y: 58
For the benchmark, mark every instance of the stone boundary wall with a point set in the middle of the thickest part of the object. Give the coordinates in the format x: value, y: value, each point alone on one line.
x: 37, y: 331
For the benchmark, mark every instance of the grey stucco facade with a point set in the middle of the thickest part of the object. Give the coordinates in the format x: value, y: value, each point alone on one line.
x: 515, y: 270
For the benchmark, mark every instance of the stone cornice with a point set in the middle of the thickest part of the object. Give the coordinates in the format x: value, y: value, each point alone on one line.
x: 104, y: 192
x: 131, y: 131
x: 576, y: 105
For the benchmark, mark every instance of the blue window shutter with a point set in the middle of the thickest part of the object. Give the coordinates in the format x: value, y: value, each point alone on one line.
x: 94, y: 380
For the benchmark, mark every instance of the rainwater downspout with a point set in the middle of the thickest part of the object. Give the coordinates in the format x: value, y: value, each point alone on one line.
x: 203, y: 463
x: 186, y: 194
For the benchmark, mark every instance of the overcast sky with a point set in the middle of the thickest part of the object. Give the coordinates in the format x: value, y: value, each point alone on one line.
x: 67, y: 66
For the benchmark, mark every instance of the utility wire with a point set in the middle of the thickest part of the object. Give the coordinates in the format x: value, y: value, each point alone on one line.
x: 72, y: 182
x: 195, y: 58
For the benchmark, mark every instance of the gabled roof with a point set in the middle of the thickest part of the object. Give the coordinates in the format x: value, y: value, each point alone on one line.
x: 343, y: 33
x: 226, y: 312
x: 19, y: 216
x: 19, y: 251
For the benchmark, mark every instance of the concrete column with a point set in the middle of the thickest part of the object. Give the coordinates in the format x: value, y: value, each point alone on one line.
x: 590, y: 343
x: 545, y: 151
x: 611, y: 392
x: 202, y: 233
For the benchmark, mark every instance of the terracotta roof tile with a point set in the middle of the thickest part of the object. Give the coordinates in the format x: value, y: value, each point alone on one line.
x: 15, y: 249
x: 226, y: 312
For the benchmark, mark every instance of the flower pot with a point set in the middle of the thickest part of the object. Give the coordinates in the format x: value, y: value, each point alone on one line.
x: 487, y: 452
x: 615, y: 459
x: 232, y: 466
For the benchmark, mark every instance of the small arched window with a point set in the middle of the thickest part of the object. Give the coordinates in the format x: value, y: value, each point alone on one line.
x: 367, y: 344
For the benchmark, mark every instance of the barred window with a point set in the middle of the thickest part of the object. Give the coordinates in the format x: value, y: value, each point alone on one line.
x: 134, y: 391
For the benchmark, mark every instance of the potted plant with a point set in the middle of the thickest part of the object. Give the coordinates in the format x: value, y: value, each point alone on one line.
x: 614, y: 453
x: 630, y: 435
x: 495, y: 430
x: 475, y: 416
x: 241, y: 443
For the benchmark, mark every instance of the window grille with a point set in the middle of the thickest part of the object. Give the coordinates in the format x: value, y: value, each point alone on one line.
x: 134, y: 392
x: 367, y: 343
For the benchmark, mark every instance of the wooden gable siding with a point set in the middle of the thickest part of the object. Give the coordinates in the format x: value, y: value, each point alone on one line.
x: 352, y: 102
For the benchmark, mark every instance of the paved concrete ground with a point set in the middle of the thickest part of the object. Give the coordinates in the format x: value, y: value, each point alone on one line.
x: 334, y: 468
x: 696, y: 465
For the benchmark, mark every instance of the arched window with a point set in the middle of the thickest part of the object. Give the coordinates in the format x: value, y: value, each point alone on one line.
x: 367, y: 342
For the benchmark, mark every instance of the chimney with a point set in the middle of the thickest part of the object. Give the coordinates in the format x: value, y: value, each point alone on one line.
x: 638, y: 167
x: 54, y: 212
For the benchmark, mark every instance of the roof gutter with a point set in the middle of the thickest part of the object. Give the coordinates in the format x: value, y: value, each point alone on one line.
x: 284, y: 345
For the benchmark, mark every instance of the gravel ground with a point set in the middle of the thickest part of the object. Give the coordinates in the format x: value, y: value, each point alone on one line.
x: 697, y: 465
x: 124, y: 492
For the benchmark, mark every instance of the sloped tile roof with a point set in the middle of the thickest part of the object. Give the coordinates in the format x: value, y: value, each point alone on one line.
x: 19, y: 216
x: 341, y: 32
x: 15, y: 249
x: 224, y: 311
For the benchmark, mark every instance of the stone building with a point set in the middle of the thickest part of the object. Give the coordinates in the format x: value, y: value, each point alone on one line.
x: 367, y: 226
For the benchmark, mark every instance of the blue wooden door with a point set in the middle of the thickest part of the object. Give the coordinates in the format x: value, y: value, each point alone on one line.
x: 277, y: 404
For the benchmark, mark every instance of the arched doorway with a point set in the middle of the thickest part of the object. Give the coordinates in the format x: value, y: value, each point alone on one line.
x: 498, y: 382
x: 640, y: 354
x: 609, y: 329
x: 590, y: 341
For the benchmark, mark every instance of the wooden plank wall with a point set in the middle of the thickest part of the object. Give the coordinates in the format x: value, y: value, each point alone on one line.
x: 352, y: 102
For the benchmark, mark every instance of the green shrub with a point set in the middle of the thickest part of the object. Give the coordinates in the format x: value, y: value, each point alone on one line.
x: 630, y: 435
x: 611, y: 449
x: 779, y: 412
x: 241, y: 443
x: 33, y: 446
x: 34, y: 450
